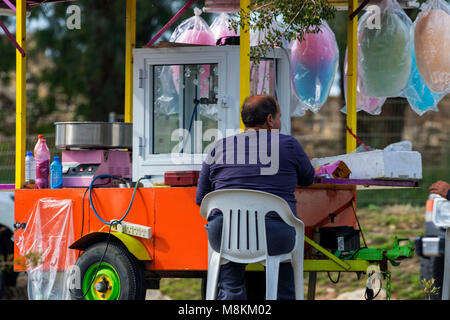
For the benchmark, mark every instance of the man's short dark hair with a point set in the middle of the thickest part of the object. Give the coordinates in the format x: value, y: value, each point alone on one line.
x: 256, y: 109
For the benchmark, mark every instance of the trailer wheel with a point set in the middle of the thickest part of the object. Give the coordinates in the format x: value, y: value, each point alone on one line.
x: 119, y: 277
x: 433, y: 268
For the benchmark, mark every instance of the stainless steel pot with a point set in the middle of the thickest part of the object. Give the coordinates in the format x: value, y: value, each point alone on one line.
x: 94, y: 135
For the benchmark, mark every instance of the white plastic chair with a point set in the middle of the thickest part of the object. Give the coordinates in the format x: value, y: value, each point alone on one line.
x: 244, y: 236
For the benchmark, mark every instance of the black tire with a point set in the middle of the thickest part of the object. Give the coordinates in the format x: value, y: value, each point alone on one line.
x: 433, y: 268
x: 129, y: 271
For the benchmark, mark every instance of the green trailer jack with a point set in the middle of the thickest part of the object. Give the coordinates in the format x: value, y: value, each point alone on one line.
x: 359, y: 261
x: 397, y: 253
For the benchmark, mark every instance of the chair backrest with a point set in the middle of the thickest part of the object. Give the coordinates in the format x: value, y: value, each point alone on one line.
x: 244, y: 230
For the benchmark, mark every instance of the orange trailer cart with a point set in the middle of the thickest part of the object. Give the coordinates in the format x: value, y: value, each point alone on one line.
x: 164, y: 234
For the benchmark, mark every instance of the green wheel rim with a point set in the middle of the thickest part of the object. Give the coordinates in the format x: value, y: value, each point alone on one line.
x: 106, y: 285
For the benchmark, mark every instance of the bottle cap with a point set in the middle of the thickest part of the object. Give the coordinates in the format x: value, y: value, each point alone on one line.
x: 40, y: 136
x: 29, y: 153
x: 56, y: 158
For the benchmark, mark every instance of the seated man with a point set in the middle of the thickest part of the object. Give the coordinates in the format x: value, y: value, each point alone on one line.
x: 289, y: 166
x: 441, y: 188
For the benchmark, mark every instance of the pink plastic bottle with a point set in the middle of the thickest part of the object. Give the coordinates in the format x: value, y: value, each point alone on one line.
x: 40, y: 137
x: 42, y: 165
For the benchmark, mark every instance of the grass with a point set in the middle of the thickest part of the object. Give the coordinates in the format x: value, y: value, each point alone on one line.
x: 380, y: 225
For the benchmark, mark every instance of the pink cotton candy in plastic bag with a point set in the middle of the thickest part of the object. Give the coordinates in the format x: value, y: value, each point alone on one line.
x: 194, y: 31
x: 221, y: 27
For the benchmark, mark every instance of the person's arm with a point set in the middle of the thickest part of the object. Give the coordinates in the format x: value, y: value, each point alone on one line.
x: 305, y: 170
x: 204, y: 185
x: 441, y: 188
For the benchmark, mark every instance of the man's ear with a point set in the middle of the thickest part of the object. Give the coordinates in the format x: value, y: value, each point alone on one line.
x: 269, y: 121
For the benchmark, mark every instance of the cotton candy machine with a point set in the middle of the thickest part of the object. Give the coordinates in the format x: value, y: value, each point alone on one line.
x: 91, y: 149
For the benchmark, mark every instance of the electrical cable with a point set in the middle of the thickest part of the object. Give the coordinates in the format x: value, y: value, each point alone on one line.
x: 379, y: 290
x: 110, y: 224
x: 359, y: 226
x: 334, y: 281
x: 98, y: 267
x: 103, y: 176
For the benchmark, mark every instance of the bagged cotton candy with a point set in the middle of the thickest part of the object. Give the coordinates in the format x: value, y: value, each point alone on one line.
x: 419, y: 96
x: 432, y: 45
x: 194, y: 30
x: 370, y: 105
x: 221, y: 27
x: 385, y: 60
x: 314, y: 62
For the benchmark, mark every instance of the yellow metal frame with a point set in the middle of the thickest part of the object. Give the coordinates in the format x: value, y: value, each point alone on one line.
x: 21, y: 97
x: 130, y: 44
x: 244, y: 62
x: 351, y: 74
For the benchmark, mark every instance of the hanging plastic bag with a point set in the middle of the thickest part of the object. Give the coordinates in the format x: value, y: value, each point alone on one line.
x: 419, y: 96
x: 432, y: 45
x: 314, y: 62
x: 370, y: 105
x: 193, y: 30
x: 385, y: 60
x: 221, y: 27
x: 44, y: 244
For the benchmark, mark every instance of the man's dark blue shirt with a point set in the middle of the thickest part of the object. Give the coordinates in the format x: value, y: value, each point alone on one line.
x: 293, y: 168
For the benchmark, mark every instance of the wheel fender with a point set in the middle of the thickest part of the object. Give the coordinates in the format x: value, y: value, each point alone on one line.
x: 134, y: 246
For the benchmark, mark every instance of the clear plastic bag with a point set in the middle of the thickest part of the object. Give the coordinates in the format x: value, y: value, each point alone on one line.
x: 432, y: 45
x: 44, y: 244
x: 370, y: 105
x: 384, y: 60
x: 314, y: 62
x: 416, y: 91
x: 399, y: 146
x: 221, y: 27
x: 193, y: 30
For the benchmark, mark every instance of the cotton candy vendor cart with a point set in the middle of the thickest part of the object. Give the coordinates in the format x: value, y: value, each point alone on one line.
x: 161, y: 233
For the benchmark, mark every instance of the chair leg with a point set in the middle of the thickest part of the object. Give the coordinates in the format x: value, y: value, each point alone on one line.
x: 297, y: 266
x: 213, y: 275
x: 272, y: 274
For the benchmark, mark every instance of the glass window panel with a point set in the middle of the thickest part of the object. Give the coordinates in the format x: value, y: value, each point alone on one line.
x: 185, y: 97
x: 263, y: 77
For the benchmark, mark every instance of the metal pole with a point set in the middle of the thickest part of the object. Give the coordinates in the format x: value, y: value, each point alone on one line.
x: 130, y: 44
x: 312, y: 280
x: 446, y: 280
x: 21, y: 11
x: 352, y: 60
x: 244, y: 58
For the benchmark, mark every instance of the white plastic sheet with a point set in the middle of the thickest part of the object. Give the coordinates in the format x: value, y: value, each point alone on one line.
x: 44, y: 244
